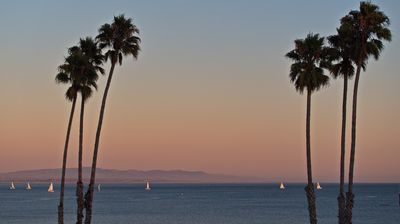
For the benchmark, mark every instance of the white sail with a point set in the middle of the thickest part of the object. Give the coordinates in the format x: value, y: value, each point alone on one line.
x: 148, y: 185
x: 12, y: 187
x: 319, y: 186
x: 282, y: 187
x: 51, y: 189
x: 99, y: 187
x: 28, y: 186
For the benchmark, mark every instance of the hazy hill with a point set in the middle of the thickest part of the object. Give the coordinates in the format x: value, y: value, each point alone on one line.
x: 126, y: 176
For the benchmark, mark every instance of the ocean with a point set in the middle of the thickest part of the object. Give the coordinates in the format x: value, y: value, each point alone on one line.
x: 199, y: 204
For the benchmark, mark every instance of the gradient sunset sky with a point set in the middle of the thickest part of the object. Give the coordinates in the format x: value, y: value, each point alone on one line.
x: 210, y: 90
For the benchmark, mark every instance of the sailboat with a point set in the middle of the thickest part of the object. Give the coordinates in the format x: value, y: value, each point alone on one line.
x: 318, y: 186
x: 28, y: 186
x: 282, y: 187
x: 12, y: 187
x: 51, y: 188
x: 99, y: 187
x: 147, y: 186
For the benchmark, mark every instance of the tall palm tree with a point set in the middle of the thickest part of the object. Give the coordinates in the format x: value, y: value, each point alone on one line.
x: 90, y: 66
x: 369, y: 27
x: 118, y: 39
x: 307, y: 74
x: 67, y: 75
x: 341, y: 52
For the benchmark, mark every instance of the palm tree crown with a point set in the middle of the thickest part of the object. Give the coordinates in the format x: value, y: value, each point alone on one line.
x: 68, y: 74
x: 80, y: 69
x: 341, y: 52
x: 310, y: 58
x: 119, y: 38
x: 88, y: 47
x: 369, y: 27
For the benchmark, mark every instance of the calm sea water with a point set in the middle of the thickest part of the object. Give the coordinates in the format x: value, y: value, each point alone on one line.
x: 200, y: 204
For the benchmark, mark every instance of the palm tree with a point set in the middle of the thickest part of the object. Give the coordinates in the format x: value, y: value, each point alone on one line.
x: 118, y: 39
x: 66, y: 75
x: 341, y: 52
x: 90, y: 64
x: 307, y: 74
x: 368, y: 26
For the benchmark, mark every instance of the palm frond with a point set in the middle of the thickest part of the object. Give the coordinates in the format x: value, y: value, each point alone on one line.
x: 71, y: 93
x: 86, y: 92
x: 62, y: 77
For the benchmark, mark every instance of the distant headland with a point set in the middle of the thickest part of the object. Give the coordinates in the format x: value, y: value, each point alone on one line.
x: 128, y: 176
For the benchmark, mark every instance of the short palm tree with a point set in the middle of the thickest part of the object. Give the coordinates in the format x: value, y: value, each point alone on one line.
x: 90, y: 66
x: 307, y: 74
x: 369, y: 27
x: 118, y: 39
x: 343, y: 67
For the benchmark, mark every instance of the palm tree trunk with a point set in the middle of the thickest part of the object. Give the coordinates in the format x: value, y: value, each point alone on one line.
x: 310, y: 187
x: 79, y: 184
x: 90, y: 191
x: 64, y: 165
x: 349, y: 194
x: 341, y: 198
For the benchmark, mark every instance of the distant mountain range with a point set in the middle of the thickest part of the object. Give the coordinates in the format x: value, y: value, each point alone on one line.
x: 126, y: 176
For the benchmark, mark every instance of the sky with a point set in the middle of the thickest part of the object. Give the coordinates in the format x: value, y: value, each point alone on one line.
x: 210, y: 90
